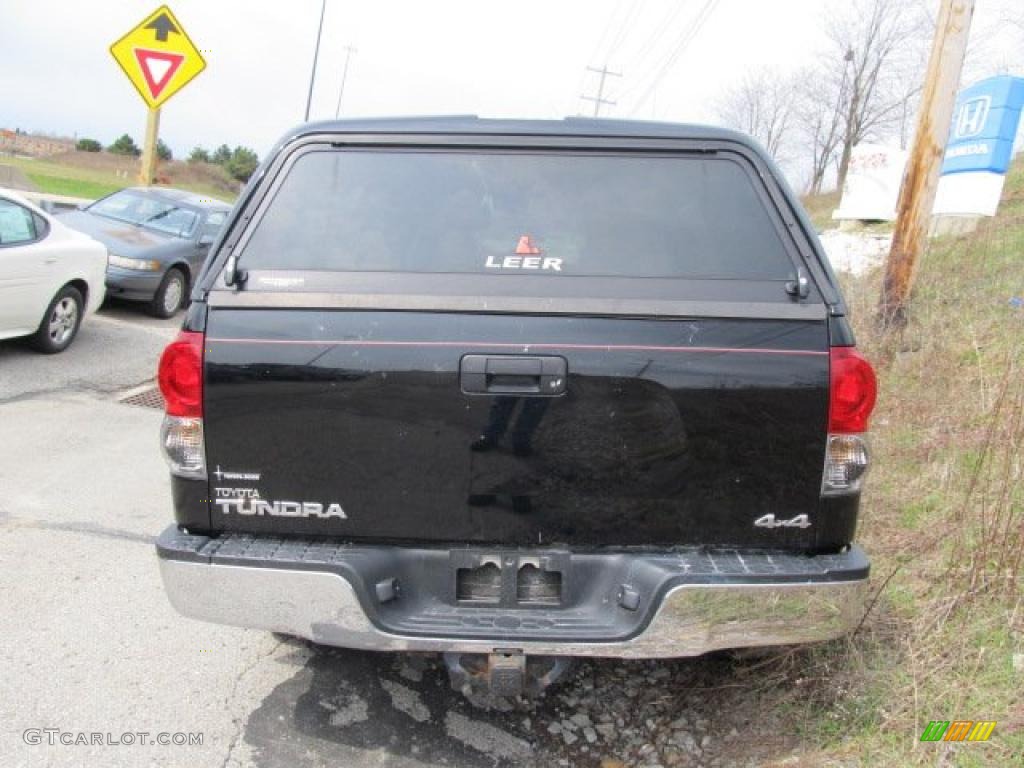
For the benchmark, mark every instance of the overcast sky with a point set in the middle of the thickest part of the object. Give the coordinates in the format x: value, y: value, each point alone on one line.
x: 522, y: 58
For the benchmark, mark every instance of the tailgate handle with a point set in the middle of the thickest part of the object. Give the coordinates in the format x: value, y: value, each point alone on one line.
x: 513, y: 375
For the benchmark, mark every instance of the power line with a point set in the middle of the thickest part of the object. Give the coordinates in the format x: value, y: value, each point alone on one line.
x: 651, y: 59
x: 627, y: 19
x: 598, y: 100
x: 628, y: 22
x: 607, y: 29
x: 349, y: 50
x: 667, y: 22
x: 688, y: 35
x: 684, y: 40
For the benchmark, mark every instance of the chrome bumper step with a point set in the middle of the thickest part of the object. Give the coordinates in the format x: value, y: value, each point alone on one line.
x: 687, y: 602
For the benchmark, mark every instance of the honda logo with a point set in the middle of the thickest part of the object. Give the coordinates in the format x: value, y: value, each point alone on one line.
x: 971, y: 117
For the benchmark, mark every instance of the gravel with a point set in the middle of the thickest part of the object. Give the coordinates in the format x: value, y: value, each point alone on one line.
x: 855, y: 252
x: 641, y: 714
x: 581, y: 719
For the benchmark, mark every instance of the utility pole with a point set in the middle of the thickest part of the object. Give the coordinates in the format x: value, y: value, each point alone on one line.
x: 921, y: 178
x: 316, y: 55
x: 349, y: 50
x: 599, y: 99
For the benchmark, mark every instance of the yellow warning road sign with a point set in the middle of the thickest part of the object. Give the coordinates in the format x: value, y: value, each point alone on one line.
x: 158, y: 57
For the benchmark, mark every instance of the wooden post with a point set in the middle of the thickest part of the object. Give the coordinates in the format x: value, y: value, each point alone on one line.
x: 147, y: 173
x: 921, y: 179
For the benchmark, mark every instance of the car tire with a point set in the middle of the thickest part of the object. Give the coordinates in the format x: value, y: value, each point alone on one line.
x: 170, y: 296
x: 60, y: 324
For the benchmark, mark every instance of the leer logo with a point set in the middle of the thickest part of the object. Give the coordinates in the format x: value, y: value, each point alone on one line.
x: 958, y: 730
x: 528, y: 256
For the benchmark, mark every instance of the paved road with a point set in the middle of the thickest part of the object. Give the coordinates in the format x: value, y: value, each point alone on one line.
x: 90, y: 644
x: 117, y: 347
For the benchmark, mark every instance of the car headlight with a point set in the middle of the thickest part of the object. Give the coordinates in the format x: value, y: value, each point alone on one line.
x: 142, y: 265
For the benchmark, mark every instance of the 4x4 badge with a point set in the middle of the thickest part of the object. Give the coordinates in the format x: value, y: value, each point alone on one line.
x: 769, y: 521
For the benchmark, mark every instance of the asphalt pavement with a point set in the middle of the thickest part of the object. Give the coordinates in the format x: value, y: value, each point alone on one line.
x: 92, y: 652
x: 96, y: 667
x: 116, y: 348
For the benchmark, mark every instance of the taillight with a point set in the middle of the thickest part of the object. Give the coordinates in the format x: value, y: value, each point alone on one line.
x: 181, y: 375
x: 852, y: 393
x: 181, y: 382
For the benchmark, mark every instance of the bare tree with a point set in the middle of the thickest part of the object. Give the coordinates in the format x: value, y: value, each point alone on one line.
x: 876, y: 63
x: 761, y: 105
x: 818, y: 117
x: 995, y: 46
x: 908, y: 109
x: 1015, y: 18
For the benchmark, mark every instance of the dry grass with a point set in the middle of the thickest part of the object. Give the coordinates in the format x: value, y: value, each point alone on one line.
x: 820, y: 207
x: 943, y: 514
x: 205, y: 178
x: 95, y: 174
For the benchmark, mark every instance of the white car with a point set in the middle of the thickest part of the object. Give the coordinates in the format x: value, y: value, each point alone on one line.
x: 50, y: 276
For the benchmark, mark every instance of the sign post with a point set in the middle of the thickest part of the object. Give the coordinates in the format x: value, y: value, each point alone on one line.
x: 159, y: 59
x: 147, y: 172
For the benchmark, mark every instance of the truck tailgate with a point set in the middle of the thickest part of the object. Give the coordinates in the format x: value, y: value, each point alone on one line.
x: 357, y: 424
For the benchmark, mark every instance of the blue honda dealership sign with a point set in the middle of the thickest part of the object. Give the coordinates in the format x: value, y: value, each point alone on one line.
x: 984, y: 126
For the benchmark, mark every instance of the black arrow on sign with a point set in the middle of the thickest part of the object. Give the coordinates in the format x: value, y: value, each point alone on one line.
x: 162, y: 25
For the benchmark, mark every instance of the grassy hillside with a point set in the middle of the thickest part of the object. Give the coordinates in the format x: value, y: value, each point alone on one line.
x: 820, y: 207
x: 943, y: 517
x: 95, y: 174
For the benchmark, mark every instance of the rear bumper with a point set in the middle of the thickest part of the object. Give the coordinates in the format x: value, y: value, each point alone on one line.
x: 686, y: 602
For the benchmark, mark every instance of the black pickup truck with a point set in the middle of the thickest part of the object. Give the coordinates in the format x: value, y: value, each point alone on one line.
x: 516, y: 392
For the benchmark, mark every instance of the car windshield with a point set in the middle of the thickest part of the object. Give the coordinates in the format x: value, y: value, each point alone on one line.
x: 147, y: 211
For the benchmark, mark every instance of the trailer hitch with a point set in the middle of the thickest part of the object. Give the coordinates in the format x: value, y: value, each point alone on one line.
x: 504, y: 672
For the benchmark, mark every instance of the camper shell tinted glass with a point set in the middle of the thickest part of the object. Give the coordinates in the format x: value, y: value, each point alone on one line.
x: 550, y: 213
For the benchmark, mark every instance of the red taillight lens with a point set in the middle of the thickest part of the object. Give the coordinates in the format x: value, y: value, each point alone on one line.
x: 852, y: 391
x: 181, y: 375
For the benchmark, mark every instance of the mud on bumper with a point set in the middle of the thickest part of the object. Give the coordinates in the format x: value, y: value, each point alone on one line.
x: 629, y: 604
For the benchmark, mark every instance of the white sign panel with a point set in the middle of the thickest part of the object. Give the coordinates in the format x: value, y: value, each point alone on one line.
x: 873, y: 182
x: 975, y: 193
